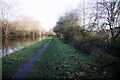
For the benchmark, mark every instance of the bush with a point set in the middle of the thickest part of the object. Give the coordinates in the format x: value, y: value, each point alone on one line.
x: 86, y: 45
x: 97, y: 46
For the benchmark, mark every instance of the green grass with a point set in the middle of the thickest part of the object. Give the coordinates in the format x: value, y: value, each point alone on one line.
x: 63, y: 61
x: 12, y: 62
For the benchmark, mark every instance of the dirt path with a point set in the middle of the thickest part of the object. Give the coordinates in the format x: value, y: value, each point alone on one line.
x: 28, y: 66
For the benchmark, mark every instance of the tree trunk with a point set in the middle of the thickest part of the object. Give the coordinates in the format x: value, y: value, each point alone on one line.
x: 112, y: 34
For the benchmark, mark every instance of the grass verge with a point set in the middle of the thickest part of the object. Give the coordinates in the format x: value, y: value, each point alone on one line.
x: 12, y: 62
x: 63, y: 61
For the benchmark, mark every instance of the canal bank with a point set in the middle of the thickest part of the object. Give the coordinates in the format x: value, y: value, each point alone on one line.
x: 13, y: 62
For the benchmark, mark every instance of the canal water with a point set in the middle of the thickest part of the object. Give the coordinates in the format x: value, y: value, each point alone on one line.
x: 12, y: 45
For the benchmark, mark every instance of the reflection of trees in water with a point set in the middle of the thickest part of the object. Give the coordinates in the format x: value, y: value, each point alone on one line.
x: 11, y: 45
x: 4, y: 46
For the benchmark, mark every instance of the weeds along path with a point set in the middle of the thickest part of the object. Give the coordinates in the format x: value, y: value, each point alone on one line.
x: 60, y: 60
x: 28, y: 66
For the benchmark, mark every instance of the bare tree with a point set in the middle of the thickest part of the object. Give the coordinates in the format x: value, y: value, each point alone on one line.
x: 111, y: 15
x: 30, y: 26
x: 6, y: 11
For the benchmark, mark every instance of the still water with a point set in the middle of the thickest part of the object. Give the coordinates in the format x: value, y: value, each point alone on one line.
x: 12, y: 45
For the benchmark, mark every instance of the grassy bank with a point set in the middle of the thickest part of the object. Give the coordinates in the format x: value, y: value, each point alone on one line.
x: 62, y: 61
x: 13, y: 61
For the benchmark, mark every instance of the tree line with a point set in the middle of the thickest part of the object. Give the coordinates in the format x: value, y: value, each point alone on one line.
x: 93, y: 25
x: 13, y: 25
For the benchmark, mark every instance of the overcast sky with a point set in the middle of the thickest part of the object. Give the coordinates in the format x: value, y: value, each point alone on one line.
x: 46, y: 11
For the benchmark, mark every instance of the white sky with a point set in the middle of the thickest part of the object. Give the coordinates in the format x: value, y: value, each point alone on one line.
x: 46, y: 11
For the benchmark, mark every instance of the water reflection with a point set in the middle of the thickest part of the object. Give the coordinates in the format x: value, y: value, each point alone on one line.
x: 12, y: 45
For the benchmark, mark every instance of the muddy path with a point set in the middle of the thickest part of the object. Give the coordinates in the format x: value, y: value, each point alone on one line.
x: 23, y: 71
